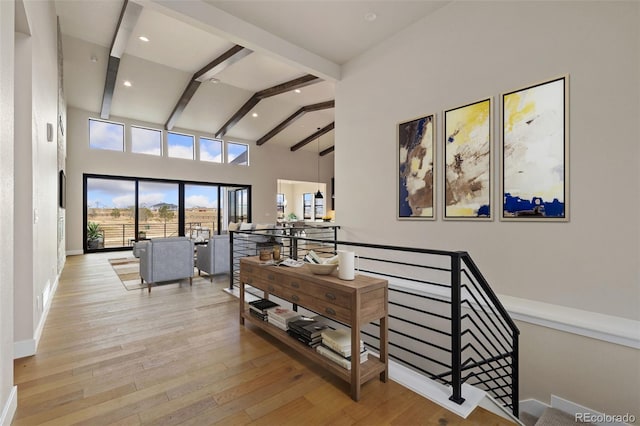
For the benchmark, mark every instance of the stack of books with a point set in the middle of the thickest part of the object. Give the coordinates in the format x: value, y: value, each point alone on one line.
x: 336, y: 346
x: 281, y: 317
x: 308, y: 330
x: 258, y: 308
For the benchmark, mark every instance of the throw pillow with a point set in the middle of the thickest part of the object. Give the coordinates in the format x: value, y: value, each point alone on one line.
x: 232, y: 226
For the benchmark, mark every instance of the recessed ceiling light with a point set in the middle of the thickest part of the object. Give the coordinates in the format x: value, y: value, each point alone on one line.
x: 214, y: 80
x: 143, y: 38
x: 370, y: 16
x: 127, y: 83
x: 255, y: 114
x: 93, y: 59
x: 298, y: 91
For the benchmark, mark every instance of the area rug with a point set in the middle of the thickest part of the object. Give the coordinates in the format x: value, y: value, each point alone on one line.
x: 128, y: 270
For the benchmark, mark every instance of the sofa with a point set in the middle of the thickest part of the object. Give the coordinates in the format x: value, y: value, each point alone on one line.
x: 213, y: 258
x: 166, y: 259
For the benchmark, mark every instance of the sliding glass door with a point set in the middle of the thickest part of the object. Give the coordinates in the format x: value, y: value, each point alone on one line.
x: 201, y: 211
x: 119, y: 211
x: 110, y: 213
x: 157, y: 209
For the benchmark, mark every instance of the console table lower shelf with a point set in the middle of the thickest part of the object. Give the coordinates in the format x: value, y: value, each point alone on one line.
x: 353, y: 303
x: 368, y: 370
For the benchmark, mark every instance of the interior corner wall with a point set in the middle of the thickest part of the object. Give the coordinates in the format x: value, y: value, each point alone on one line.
x: 267, y: 164
x: 469, y: 50
x: 36, y: 201
x: 7, y: 407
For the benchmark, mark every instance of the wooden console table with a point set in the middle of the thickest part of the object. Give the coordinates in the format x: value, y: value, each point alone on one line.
x: 353, y: 303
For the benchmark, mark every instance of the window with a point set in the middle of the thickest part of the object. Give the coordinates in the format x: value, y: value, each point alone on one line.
x: 106, y: 135
x: 179, y: 146
x: 146, y: 141
x: 211, y: 150
x: 318, y: 208
x: 307, y: 202
x: 280, y: 205
x: 238, y: 153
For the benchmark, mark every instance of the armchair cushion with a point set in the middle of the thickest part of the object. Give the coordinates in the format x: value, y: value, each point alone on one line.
x: 214, y: 258
x: 166, y: 259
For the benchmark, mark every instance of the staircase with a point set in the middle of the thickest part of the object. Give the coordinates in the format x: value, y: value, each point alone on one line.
x: 550, y: 417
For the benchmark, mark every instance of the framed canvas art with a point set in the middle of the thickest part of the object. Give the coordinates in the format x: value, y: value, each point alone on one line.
x: 467, y: 162
x: 416, y: 181
x: 534, y: 172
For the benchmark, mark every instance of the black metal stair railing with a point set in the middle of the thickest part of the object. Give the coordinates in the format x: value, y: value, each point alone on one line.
x: 445, y: 321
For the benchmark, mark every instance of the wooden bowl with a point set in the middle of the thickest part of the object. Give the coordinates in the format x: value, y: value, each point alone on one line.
x: 322, y: 269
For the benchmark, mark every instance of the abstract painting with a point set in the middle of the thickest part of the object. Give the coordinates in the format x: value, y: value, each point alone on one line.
x: 416, y: 195
x: 467, y: 155
x: 534, y: 152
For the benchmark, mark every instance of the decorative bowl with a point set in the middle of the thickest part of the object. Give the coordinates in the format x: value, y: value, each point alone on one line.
x: 322, y: 269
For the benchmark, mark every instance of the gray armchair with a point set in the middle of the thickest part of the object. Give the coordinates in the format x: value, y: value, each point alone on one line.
x: 166, y: 259
x: 213, y: 258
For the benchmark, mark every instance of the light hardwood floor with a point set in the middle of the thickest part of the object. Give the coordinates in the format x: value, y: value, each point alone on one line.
x: 179, y: 356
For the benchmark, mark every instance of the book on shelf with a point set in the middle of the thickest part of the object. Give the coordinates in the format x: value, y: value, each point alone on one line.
x: 256, y: 314
x: 283, y: 315
x: 339, y: 340
x: 310, y: 327
x: 306, y: 340
x: 261, y: 305
x: 281, y: 325
x: 341, y: 361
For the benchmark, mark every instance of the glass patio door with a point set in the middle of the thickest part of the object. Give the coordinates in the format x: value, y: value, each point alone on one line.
x: 158, y: 209
x: 110, y: 214
x: 201, y: 211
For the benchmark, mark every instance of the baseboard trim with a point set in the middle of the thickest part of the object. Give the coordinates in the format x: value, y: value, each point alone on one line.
x: 436, y: 392
x: 24, y: 348
x: 9, y: 408
x: 74, y: 252
x: 29, y: 347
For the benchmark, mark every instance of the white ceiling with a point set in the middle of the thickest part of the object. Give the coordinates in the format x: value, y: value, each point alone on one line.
x: 289, y: 39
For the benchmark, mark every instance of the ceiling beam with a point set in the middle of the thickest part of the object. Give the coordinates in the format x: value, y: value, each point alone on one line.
x: 293, y: 117
x: 316, y: 135
x: 188, y: 93
x: 228, y: 58
x: 126, y: 23
x: 327, y: 151
x: 244, y: 109
x: 109, y: 86
x: 296, y: 83
x: 222, y: 62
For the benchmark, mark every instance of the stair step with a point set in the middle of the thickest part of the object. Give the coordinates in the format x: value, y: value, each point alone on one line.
x: 555, y: 417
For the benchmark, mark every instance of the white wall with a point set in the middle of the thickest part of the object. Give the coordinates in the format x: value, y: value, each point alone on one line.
x: 7, y: 390
x: 470, y: 50
x: 267, y: 165
x: 36, y: 260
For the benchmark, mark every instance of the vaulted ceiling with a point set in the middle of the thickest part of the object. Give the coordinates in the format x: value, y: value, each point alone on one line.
x: 257, y: 71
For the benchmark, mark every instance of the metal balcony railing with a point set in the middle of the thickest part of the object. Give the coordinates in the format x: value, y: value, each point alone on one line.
x: 445, y: 321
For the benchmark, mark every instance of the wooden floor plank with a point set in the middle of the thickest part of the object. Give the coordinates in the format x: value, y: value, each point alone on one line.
x: 179, y: 356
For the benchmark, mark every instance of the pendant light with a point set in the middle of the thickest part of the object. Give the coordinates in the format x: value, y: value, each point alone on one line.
x: 318, y: 195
